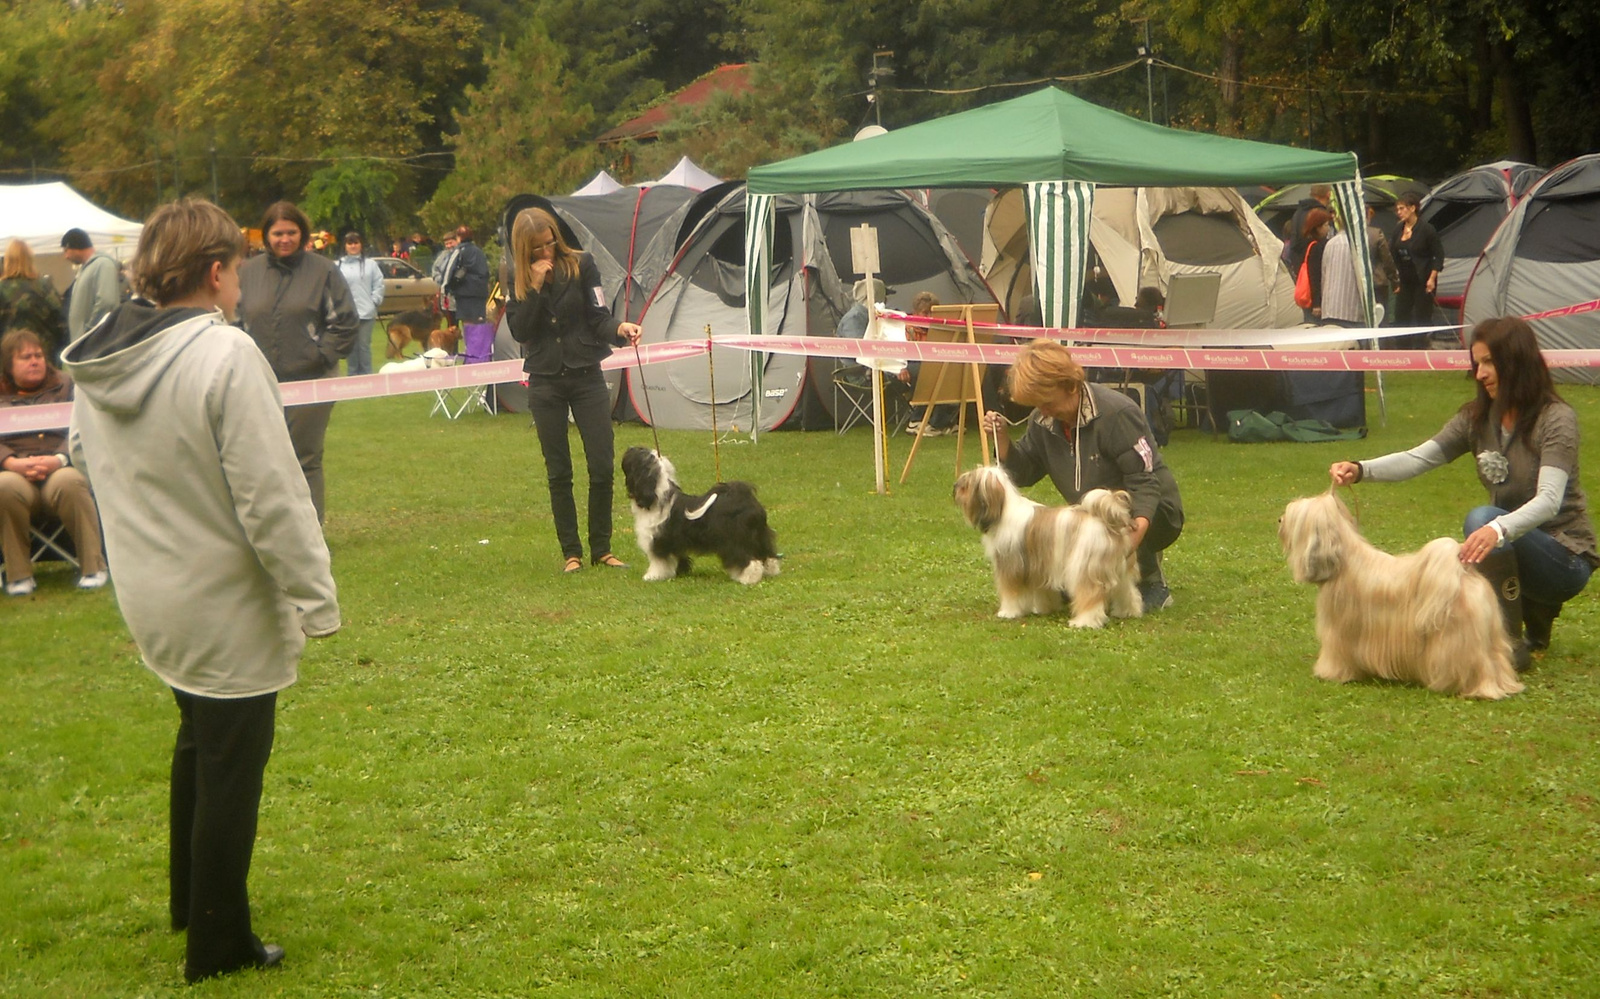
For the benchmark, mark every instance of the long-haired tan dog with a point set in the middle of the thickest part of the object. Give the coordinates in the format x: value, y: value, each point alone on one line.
x: 1423, y: 618
x: 1038, y: 552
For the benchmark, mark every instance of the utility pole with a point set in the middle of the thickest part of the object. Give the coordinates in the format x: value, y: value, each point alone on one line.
x: 1145, y: 53
x: 882, y: 69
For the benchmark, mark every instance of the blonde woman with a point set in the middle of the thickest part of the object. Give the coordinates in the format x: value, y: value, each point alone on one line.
x: 558, y: 313
x: 30, y: 302
x: 1087, y: 436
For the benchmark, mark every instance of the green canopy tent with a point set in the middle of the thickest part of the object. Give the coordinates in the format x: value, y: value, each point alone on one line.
x: 1057, y: 148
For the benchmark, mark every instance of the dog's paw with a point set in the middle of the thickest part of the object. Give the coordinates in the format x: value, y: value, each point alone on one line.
x: 658, y: 573
x: 749, y: 575
x: 1010, y: 613
x: 1096, y: 620
x: 771, y: 566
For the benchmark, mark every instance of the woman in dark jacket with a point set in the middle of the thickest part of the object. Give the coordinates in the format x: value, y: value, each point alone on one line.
x: 558, y: 313
x: 297, y: 307
x: 1418, y: 256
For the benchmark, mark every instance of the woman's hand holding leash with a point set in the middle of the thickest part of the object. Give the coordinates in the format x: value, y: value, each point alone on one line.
x: 631, y: 331
x: 995, y: 423
x: 1344, y: 473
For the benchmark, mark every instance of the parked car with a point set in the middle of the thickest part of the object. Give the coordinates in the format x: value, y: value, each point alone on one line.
x: 404, y: 287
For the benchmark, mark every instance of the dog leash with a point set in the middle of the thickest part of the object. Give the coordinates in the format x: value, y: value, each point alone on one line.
x: 645, y: 384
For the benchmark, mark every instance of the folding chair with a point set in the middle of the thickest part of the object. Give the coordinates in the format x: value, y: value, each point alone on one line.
x: 852, y: 399
x: 51, y: 543
x: 454, y: 402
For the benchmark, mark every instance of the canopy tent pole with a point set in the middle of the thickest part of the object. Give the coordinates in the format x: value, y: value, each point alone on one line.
x: 1059, y: 213
x: 1349, y: 204
x: 757, y: 288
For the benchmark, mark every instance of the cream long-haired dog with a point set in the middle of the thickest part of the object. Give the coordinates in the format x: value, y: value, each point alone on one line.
x: 1423, y: 618
x: 1039, y: 552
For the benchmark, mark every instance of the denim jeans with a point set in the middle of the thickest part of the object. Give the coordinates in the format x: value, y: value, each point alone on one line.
x: 1549, y: 573
x: 360, y: 360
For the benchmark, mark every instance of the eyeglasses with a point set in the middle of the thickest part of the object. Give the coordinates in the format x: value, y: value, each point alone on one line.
x: 537, y: 247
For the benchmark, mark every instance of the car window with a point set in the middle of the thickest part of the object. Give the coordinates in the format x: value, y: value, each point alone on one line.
x: 393, y: 268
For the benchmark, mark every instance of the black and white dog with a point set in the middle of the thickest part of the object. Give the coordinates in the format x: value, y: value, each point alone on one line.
x: 727, y: 521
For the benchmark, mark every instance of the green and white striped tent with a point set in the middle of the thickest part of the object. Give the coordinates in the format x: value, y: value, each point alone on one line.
x: 1057, y: 148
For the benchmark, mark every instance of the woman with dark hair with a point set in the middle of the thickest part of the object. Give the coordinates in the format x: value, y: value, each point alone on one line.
x: 30, y: 302
x: 297, y: 308
x: 35, y: 472
x: 1533, y: 539
x: 558, y: 313
x: 1318, y: 227
x: 1418, y: 256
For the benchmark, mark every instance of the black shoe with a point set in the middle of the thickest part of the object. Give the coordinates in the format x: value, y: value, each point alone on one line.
x: 1538, y: 620
x: 266, y: 956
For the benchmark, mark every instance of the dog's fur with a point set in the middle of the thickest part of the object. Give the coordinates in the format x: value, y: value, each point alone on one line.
x: 727, y: 521
x: 1423, y: 618
x: 1040, y: 552
x: 423, y: 329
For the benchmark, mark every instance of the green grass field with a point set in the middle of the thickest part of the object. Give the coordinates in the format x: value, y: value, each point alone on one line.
x: 851, y: 780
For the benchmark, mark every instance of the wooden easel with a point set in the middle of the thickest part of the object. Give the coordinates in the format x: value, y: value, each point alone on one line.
x: 945, y: 382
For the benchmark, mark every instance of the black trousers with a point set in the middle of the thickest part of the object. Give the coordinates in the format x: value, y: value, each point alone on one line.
x: 308, y: 427
x: 584, y: 394
x: 217, y: 766
x: 1413, y: 306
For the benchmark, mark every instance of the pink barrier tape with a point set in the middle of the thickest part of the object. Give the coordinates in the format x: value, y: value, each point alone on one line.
x: 1204, y: 359
x: 1174, y: 337
x: 25, y: 419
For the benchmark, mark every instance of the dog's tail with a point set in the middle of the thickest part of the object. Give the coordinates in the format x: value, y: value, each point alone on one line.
x: 1439, y: 580
x: 1115, y: 509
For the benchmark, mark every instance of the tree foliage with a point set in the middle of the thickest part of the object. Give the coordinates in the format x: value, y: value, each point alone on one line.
x: 465, y: 102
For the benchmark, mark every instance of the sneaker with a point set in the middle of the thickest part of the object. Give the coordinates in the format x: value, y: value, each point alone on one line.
x: 1156, y: 597
x: 21, y: 587
x: 94, y: 581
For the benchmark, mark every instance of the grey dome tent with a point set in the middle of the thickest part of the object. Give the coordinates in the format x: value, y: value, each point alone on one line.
x: 618, y: 229
x: 811, y: 278
x: 1545, y: 256
x: 1466, y: 210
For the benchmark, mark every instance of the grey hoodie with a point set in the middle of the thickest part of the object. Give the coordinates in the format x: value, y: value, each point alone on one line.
x: 220, y: 566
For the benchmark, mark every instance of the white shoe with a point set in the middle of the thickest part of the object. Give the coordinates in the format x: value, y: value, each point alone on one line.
x: 21, y: 587
x: 93, y: 582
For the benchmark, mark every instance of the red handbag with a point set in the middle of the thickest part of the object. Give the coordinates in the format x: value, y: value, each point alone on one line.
x: 1302, y: 284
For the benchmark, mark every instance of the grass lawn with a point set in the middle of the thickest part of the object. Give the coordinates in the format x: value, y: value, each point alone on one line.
x: 851, y: 780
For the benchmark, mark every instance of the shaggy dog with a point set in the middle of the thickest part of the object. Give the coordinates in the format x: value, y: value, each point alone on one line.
x: 727, y: 521
x: 1424, y: 617
x: 421, y: 328
x: 1040, y: 552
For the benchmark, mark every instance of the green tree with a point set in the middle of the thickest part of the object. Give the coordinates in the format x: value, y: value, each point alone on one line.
x: 523, y: 131
x: 350, y: 194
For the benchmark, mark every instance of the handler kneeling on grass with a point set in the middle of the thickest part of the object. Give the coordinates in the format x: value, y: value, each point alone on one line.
x: 220, y: 563
x: 1087, y: 436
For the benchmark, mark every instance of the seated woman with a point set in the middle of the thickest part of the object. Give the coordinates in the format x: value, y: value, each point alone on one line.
x: 35, y: 473
x: 1086, y: 436
x: 1533, y: 540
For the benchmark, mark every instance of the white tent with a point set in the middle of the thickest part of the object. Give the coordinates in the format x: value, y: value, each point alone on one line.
x: 603, y: 183
x: 38, y: 214
x: 688, y: 174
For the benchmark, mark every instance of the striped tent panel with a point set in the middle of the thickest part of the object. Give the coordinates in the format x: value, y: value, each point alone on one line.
x: 759, y: 213
x: 1058, y: 235
x: 1349, y: 207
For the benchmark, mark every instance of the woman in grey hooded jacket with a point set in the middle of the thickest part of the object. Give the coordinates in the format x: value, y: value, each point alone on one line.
x: 220, y: 566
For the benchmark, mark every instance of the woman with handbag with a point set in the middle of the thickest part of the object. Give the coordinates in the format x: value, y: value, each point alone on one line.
x: 558, y: 313
x: 1308, y: 284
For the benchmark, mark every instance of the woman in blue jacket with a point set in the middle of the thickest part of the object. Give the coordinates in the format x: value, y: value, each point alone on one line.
x: 558, y: 313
